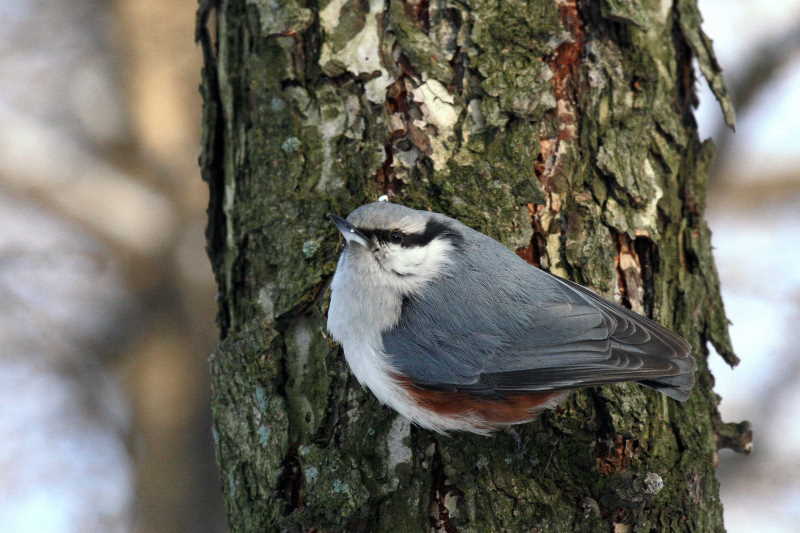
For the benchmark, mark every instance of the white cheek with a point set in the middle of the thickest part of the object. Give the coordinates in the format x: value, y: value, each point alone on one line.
x: 416, y: 265
x: 408, y: 261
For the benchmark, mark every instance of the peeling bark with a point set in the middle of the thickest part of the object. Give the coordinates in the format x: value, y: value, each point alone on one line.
x: 564, y: 129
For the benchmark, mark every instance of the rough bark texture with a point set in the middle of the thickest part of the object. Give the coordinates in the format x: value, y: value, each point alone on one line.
x: 564, y: 129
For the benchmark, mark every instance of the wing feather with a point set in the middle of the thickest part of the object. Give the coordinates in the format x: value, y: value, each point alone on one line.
x: 521, y: 329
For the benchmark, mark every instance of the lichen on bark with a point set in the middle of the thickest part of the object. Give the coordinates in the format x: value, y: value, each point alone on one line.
x: 564, y: 129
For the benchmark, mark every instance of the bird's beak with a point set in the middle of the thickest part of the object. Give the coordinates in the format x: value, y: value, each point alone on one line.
x: 350, y: 233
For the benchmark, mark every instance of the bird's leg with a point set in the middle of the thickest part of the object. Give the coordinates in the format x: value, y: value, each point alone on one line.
x: 518, y: 444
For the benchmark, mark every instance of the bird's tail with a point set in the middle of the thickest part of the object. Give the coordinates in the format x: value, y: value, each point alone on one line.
x: 677, y: 387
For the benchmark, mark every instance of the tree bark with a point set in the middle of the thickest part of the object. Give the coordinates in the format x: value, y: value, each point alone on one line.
x: 565, y: 130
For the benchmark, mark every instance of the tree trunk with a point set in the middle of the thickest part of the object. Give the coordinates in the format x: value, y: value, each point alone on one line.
x: 565, y: 130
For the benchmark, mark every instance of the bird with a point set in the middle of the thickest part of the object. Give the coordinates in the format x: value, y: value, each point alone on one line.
x: 456, y: 332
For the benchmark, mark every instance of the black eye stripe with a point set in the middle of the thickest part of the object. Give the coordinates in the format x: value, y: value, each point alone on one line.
x: 382, y: 235
x: 433, y: 229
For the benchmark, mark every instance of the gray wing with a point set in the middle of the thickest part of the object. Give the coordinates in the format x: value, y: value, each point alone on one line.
x: 503, y: 326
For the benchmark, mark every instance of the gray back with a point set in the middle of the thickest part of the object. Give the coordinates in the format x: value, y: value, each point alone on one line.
x: 494, y: 323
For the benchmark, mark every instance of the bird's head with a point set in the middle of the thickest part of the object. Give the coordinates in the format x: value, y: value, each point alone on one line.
x: 396, y: 247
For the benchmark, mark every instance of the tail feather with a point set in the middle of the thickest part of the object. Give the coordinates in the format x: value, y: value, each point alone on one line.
x: 677, y: 387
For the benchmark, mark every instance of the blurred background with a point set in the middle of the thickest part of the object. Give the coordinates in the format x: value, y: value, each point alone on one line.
x: 108, y: 301
x: 754, y: 213
x: 106, y: 292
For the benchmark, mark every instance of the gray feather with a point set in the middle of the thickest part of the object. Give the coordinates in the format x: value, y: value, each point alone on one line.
x: 510, y: 327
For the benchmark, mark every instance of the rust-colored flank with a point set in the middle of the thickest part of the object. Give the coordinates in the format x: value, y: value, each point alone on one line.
x: 510, y: 409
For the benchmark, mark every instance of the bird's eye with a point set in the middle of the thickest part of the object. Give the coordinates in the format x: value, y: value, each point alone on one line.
x: 395, y: 237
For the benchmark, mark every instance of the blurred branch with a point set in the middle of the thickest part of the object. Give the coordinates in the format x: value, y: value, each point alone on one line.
x: 764, y: 65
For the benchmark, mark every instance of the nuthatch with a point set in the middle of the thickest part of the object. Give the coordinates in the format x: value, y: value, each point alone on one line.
x: 456, y: 332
